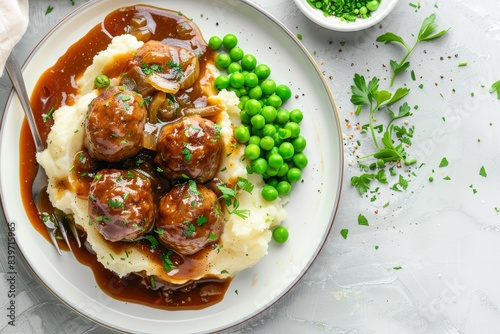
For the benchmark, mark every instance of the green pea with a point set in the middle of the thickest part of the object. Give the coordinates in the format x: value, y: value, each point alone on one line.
x: 215, y: 42
x: 251, y: 80
x: 222, y: 61
x: 236, y: 53
x: 269, y: 193
x: 381, y: 163
x: 294, y: 129
x: 234, y: 90
x: 233, y: 67
x: 372, y: 5
x: 283, y: 116
x: 300, y: 160
x: 271, y: 181
x: 283, y: 170
x: 286, y: 150
x: 271, y: 171
x: 255, y: 92
x: 269, y: 113
x: 236, y: 80
x: 268, y: 86
x: 284, y: 92
x: 256, y: 132
x: 253, y: 107
x: 274, y: 150
x: 248, y: 62
x: 244, y: 100
x: 266, y: 142
x: 284, y: 133
x: 299, y: 144
x: 255, y: 140
x: 258, y: 121
x: 280, y: 234
x: 294, y: 174
x: 277, y: 139
x: 243, y: 91
x: 101, y: 81
x: 245, y: 118
x: 283, y: 188
x: 268, y: 129
x: 296, y: 116
x: 221, y: 82
x: 275, y: 160
x: 229, y: 41
x: 274, y: 100
x: 262, y: 71
x: 252, y: 152
x: 242, y: 134
x: 259, y: 166
x: 363, y: 10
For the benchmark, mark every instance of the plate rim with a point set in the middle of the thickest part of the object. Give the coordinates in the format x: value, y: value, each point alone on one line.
x: 321, y: 243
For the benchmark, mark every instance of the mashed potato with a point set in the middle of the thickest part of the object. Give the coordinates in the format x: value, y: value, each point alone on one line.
x: 244, y: 241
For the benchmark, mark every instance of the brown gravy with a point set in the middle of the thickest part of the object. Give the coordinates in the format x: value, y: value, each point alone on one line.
x: 56, y: 88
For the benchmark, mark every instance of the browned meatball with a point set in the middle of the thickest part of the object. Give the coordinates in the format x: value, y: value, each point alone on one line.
x: 121, y: 204
x: 189, y: 218
x: 189, y: 147
x: 115, y: 124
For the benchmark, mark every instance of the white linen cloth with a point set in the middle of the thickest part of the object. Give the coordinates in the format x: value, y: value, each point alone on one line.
x: 14, y: 16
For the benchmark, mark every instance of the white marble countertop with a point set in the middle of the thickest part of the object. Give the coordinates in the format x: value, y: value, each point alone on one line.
x: 443, y: 235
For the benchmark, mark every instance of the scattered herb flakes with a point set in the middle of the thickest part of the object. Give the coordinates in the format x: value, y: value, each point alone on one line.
x: 443, y: 163
x: 376, y: 247
x: 482, y: 171
x: 462, y: 63
x: 447, y: 178
x: 49, y: 10
x: 344, y: 232
x: 397, y: 268
x: 496, y: 87
x: 299, y: 36
x: 474, y: 190
x: 362, y: 220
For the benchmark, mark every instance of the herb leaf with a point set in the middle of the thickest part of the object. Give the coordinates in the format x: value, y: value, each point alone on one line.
x: 362, y: 220
x: 425, y: 34
x: 496, y: 87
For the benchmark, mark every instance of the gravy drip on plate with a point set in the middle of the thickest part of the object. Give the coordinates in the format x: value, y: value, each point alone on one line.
x: 57, y: 87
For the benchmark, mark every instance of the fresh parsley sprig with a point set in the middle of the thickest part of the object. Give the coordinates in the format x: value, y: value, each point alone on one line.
x: 368, y: 94
x: 424, y: 35
x: 229, y: 196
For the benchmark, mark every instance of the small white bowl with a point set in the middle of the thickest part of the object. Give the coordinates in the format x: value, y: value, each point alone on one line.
x: 334, y: 23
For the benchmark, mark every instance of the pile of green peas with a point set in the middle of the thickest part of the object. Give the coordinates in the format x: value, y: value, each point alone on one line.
x: 274, y: 145
x: 348, y: 10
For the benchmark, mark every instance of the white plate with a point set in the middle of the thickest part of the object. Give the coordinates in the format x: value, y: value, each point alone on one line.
x: 311, y: 209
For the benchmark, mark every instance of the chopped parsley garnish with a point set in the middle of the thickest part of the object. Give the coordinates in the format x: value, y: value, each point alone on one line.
x: 168, y: 265
x: 189, y: 230
x: 362, y: 220
x: 344, y: 232
x: 229, y: 196
x: 47, y: 116
x: 201, y: 220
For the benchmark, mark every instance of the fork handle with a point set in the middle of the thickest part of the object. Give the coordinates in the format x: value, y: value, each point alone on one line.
x: 16, y: 76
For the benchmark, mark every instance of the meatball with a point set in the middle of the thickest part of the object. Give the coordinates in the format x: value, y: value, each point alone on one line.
x: 189, y: 218
x: 189, y: 147
x: 121, y: 204
x: 115, y: 124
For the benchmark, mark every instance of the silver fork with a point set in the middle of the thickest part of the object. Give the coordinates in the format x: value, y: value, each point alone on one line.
x: 52, y: 221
